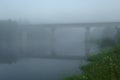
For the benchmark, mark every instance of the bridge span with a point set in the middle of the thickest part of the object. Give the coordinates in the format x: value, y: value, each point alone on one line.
x: 53, y: 27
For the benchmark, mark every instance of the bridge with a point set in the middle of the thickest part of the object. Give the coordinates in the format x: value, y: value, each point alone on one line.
x: 53, y: 28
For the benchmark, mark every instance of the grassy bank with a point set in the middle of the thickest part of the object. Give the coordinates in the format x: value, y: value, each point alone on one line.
x: 102, y: 66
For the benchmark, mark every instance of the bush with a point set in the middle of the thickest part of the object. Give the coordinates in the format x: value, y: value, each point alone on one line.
x: 102, y: 66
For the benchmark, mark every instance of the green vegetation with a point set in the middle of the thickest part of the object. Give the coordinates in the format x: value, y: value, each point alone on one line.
x: 108, y: 40
x: 106, y: 64
x: 102, y: 66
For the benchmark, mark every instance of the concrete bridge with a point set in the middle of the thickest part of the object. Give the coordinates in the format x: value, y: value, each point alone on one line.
x: 53, y: 28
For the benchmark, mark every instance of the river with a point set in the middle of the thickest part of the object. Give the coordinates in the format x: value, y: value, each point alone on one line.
x: 39, y: 69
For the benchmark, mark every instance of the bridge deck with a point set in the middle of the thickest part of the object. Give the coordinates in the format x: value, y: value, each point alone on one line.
x: 74, y: 25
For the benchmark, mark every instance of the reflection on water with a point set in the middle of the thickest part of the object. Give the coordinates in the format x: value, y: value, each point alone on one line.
x: 38, y: 69
x: 8, y: 58
x: 21, y: 41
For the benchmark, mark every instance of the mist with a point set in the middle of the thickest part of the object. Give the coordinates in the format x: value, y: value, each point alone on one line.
x: 60, y: 11
x: 51, y: 39
x: 34, y: 51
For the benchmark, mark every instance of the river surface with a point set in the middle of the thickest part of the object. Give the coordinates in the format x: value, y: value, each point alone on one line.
x: 39, y: 69
x: 30, y: 41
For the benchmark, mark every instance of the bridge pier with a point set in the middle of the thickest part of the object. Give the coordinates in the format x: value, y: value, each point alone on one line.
x: 24, y: 41
x: 53, y: 41
x: 87, y: 38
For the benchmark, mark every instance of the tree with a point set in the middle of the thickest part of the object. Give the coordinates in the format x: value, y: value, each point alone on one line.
x: 102, y: 66
x: 110, y: 37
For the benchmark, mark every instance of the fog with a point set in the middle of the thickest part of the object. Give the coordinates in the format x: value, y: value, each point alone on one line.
x: 60, y: 11
x: 51, y: 39
x: 48, y: 51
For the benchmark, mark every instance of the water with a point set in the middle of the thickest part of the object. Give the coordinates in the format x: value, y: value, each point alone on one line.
x: 39, y: 69
x: 29, y: 41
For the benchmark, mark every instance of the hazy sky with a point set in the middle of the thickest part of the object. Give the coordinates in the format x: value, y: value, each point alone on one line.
x: 60, y: 11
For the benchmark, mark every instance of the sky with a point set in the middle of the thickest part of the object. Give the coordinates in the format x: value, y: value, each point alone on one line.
x: 60, y: 11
